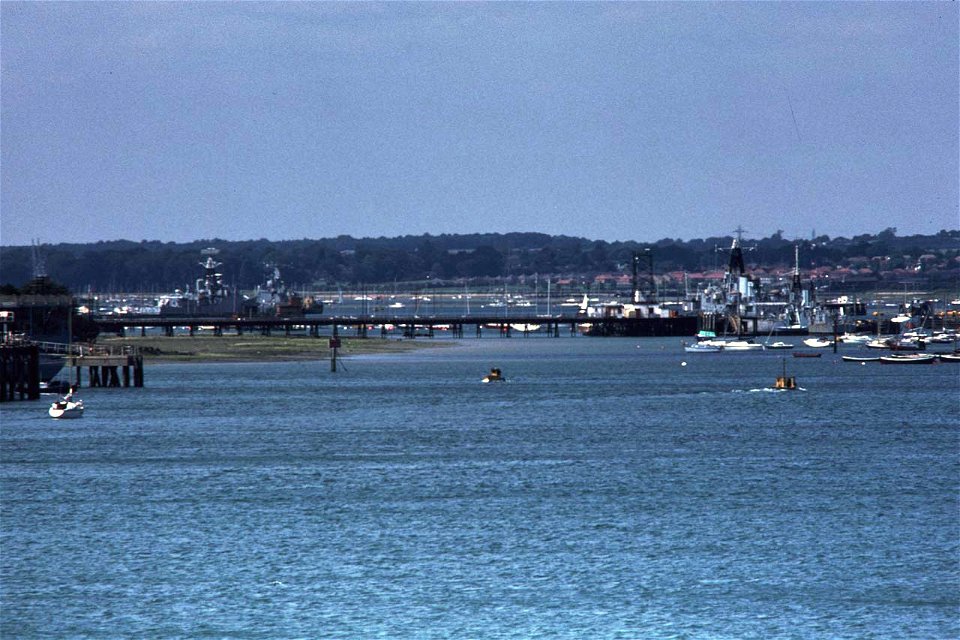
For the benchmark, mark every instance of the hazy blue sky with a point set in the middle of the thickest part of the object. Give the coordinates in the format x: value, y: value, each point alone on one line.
x: 614, y: 121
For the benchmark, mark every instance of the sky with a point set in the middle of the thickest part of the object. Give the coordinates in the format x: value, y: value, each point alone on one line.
x: 609, y: 121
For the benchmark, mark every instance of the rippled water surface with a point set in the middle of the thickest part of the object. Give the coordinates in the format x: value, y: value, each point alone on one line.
x: 604, y: 491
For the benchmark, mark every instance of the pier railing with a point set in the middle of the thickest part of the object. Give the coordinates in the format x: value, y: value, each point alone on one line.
x: 86, y: 350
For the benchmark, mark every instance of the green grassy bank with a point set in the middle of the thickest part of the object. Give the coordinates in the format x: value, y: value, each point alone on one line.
x: 252, y: 348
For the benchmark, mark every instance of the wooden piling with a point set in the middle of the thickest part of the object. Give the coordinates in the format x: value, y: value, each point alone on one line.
x: 334, y: 347
x: 19, y: 373
x: 112, y: 371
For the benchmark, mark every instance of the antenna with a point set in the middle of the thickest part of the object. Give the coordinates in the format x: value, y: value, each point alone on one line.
x: 39, y: 261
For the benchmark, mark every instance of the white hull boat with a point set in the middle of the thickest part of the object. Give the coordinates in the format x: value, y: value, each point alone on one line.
x: 913, y: 358
x: 703, y: 347
x: 714, y: 346
x: 780, y: 345
x: 742, y: 345
x: 65, y: 409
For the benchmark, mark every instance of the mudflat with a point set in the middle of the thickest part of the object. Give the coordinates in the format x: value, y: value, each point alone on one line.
x: 252, y: 348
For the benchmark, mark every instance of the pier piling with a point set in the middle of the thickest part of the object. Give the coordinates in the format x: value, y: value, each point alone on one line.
x: 19, y: 373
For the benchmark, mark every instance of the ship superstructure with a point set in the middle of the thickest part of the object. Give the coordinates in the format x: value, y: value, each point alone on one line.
x: 740, y: 305
x: 210, y: 297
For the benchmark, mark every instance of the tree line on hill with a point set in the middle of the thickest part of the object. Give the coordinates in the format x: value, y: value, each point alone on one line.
x: 153, y: 266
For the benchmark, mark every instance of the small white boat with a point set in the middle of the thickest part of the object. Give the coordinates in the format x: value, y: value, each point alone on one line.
x: 716, y: 345
x: 860, y: 359
x: 855, y: 338
x: 780, y: 345
x: 703, y: 347
x: 912, y: 358
x: 66, y: 407
x: 818, y: 343
x: 742, y: 345
x: 907, y: 344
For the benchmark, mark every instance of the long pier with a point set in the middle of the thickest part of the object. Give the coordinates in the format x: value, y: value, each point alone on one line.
x: 363, y: 326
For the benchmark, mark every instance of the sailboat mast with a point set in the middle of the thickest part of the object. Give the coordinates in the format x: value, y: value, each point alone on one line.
x: 70, y: 373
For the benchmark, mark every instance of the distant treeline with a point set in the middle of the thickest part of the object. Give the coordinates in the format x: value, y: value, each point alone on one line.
x: 350, y: 262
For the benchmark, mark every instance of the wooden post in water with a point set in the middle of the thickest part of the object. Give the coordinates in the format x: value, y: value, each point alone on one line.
x: 835, y: 321
x: 334, y: 346
x: 137, y: 371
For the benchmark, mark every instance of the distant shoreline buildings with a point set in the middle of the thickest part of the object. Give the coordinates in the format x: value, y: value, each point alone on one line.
x: 883, y: 261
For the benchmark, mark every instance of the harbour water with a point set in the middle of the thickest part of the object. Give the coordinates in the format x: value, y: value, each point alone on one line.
x: 605, y: 490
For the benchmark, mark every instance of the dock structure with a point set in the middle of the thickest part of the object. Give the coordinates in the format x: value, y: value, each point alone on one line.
x: 106, y: 366
x: 409, y: 327
x: 108, y: 370
x: 19, y: 372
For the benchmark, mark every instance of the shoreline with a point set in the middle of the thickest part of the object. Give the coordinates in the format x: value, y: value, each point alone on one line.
x: 257, y: 348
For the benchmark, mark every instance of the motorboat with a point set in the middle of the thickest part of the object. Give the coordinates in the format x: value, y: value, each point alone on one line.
x: 779, y: 345
x: 495, y: 375
x: 818, y: 343
x: 945, y: 337
x: 742, y: 345
x: 909, y: 358
x: 785, y: 382
x: 704, y: 347
x: 66, y: 407
x: 950, y: 357
x: 713, y: 345
x: 908, y: 344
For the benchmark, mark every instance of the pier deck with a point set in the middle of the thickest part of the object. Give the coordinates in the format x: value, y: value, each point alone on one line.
x: 362, y: 325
